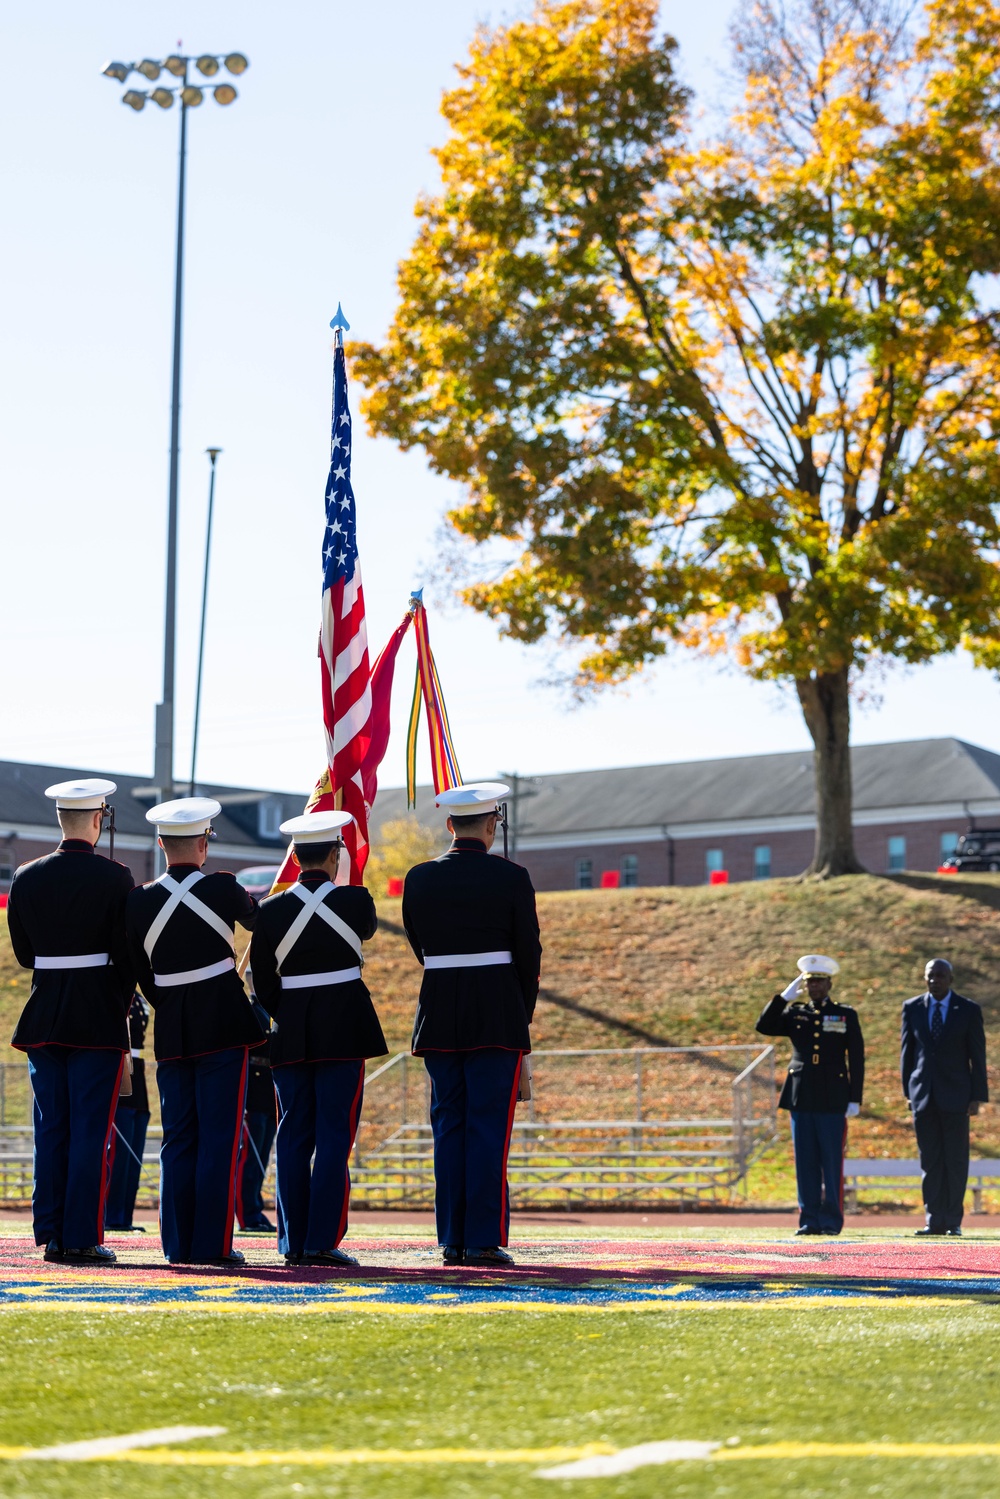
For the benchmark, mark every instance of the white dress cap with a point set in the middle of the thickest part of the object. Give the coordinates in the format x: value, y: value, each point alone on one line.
x: 316, y: 827
x: 475, y: 799
x: 81, y: 796
x: 815, y: 963
x: 188, y: 817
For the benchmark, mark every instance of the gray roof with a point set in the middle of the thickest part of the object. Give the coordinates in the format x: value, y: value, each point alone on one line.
x: 919, y: 773
x: 23, y: 801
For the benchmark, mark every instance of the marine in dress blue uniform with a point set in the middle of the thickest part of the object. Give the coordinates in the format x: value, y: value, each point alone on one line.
x: 128, y: 1138
x: 181, y: 935
x: 824, y: 1087
x: 306, y: 958
x: 66, y: 916
x: 471, y: 921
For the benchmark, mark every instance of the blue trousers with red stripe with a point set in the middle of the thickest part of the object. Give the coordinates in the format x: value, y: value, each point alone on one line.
x: 75, y: 1095
x: 473, y: 1094
x: 201, y: 1105
x: 819, y: 1168
x: 319, y: 1105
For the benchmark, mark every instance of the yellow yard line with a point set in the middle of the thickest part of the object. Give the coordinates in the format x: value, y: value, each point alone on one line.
x: 328, y: 1457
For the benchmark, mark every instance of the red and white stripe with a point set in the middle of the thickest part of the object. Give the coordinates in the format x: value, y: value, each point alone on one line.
x: 347, y: 706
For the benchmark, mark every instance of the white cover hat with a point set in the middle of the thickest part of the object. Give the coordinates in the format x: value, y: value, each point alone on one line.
x: 474, y: 799
x: 817, y: 965
x: 81, y: 796
x: 188, y: 817
x: 316, y: 827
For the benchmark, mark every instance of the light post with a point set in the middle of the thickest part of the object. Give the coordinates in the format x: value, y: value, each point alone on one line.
x: 190, y: 95
x: 213, y: 454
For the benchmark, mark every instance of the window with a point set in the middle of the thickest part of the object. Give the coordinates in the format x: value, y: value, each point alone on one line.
x: 269, y: 818
x: 6, y: 873
x: 630, y: 870
x: 714, y: 860
x: 762, y: 862
x: 949, y: 843
x: 897, y: 853
x: 585, y: 874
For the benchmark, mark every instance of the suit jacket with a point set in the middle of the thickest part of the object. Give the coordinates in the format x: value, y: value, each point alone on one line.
x: 72, y: 902
x: 331, y: 1022
x: 952, y: 1074
x: 827, y: 1070
x: 212, y: 1014
x: 469, y: 901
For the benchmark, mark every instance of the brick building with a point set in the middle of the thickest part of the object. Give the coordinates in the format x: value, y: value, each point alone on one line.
x: 246, y: 831
x: 753, y: 816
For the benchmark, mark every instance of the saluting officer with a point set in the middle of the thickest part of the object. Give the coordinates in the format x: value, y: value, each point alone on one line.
x: 471, y: 921
x: 66, y: 915
x: 823, y: 1089
x: 128, y: 1139
x: 306, y: 959
x: 181, y: 933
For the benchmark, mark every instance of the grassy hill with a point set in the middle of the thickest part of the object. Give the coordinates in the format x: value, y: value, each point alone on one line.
x: 694, y: 966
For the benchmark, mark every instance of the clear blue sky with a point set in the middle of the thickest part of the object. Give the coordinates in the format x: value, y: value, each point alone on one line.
x: 301, y: 194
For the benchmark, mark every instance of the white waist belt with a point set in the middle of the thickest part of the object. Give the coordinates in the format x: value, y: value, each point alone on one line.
x: 317, y: 980
x: 466, y: 959
x: 136, y: 1052
x: 194, y: 975
x: 82, y: 960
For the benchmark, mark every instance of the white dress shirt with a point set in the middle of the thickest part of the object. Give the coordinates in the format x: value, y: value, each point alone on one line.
x: 944, y: 1007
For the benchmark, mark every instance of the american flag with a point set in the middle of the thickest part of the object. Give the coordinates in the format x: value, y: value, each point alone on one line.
x: 347, y: 698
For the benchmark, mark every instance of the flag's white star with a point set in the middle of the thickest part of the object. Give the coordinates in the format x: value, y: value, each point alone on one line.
x: 336, y: 443
x: 339, y: 473
x: 328, y: 553
x: 345, y: 418
x: 341, y: 558
x: 335, y: 528
x: 346, y: 453
x: 345, y: 503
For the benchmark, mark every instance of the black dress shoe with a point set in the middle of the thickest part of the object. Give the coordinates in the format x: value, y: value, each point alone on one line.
x: 923, y: 1233
x: 830, y: 1232
x: 234, y: 1257
x: 953, y: 1233
x: 492, y: 1255
x: 453, y: 1254
x: 94, y: 1254
x: 264, y: 1225
x: 124, y: 1228
x: 293, y: 1259
x: 799, y: 1232
x: 53, y: 1253
x: 329, y: 1257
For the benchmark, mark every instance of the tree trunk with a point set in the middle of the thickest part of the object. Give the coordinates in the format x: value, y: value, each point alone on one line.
x: 826, y: 706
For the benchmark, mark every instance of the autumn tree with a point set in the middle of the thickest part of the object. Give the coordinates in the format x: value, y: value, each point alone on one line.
x: 401, y: 843
x: 738, y: 393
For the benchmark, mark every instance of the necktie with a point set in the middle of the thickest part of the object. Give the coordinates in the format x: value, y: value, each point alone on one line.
x: 937, y: 1023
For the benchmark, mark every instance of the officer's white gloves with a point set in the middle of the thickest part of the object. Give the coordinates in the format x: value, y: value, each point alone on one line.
x: 853, y: 1110
x: 792, y: 992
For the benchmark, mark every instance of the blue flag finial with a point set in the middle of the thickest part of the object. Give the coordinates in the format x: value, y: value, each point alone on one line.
x: 339, y: 321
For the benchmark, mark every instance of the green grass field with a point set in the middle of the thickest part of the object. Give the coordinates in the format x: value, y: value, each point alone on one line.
x: 905, y: 1373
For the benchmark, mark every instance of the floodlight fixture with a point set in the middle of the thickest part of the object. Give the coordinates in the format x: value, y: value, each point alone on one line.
x: 207, y: 65
x: 135, y: 98
x: 236, y: 62
x: 164, y: 97
x: 149, y: 68
x: 192, y: 95
x: 117, y: 70
x: 224, y: 93
x: 176, y: 65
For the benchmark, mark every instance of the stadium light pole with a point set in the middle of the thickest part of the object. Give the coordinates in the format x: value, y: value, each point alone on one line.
x: 190, y: 94
x: 213, y: 454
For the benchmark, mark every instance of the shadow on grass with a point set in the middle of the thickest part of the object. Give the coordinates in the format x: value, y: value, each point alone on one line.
x: 949, y: 884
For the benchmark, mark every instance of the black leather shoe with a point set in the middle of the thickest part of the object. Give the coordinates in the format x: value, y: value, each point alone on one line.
x: 953, y: 1233
x: 491, y: 1255
x: 233, y: 1258
x: 810, y: 1232
x: 261, y: 1224
x: 923, y: 1233
x: 293, y: 1259
x: 831, y: 1233
x: 124, y: 1228
x: 453, y: 1254
x: 329, y: 1257
x: 95, y: 1254
x: 53, y: 1253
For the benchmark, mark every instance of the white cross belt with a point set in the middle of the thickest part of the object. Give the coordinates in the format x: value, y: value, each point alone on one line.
x: 466, y: 959
x: 193, y: 975
x: 318, y: 980
x: 81, y: 960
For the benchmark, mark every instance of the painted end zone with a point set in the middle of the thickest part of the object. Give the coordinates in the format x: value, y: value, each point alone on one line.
x: 405, y: 1275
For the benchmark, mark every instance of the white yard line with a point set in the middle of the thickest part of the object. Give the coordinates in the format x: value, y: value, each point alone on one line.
x: 648, y: 1455
x: 82, y: 1452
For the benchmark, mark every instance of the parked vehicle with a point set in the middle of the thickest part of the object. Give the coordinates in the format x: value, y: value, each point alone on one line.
x: 977, y: 850
x: 258, y: 879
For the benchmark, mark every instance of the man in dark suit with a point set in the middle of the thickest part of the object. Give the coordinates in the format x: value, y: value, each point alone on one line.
x: 181, y: 934
x: 824, y: 1087
x: 67, y: 922
x: 943, y: 1065
x: 471, y: 922
x: 306, y: 959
